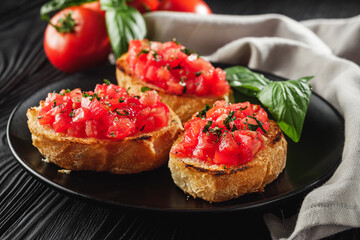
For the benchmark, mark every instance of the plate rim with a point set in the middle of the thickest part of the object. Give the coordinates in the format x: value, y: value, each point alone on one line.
x: 218, y: 209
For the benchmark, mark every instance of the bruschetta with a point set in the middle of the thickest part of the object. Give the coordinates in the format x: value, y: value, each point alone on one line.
x: 185, y: 81
x: 226, y: 151
x: 107, y: 129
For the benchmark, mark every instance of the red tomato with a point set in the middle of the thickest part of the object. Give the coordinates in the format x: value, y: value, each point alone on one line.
x: 95, y: 6
x: 195, y: 6
x: 144, y: 5
x: 87, y: 45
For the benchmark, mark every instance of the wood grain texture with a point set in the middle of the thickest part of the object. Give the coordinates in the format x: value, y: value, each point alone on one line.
x: 31, y: 210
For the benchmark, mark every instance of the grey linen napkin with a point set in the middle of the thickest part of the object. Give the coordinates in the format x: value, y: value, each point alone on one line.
x: 326, y: 49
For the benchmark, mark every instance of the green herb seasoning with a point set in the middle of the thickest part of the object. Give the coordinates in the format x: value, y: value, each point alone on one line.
x: 127, y: 91
x: 207, y: 126
x: 156, y: 56
x: 229, y: 119
x: 259, y: 123
x: 125, y: 113
x: 144, y: 89
x: 202, y: 113
x: 95, y: 96
x: 72, y: 113
x: 175, y: 41
x: 143, y: 51
x: 216, y: 131
x: 107, y: 82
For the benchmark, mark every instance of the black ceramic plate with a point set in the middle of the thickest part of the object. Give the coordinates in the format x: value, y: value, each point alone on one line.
x: 310, y: 162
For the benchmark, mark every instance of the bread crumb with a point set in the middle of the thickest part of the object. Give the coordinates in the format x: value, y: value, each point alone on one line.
x: 45, y: 160
x: 66, y: 171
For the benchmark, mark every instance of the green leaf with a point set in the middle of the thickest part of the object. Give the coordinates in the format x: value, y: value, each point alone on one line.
x: 288, y: 102
x: 56, y: 5
x: 245, y: 81
x: 123, y: 24
x: 144, y: 89
x: 111, y: 4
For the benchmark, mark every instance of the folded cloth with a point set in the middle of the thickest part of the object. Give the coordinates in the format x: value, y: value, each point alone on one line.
x: 341, y: 35
x: 277, y: 44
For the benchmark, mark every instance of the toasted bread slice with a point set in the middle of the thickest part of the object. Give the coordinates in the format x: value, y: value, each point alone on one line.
x: 217, y: 183
x: 184, y: 106
x: 130, y: 155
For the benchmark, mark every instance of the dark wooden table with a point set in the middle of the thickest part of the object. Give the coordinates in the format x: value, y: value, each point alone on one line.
x: 31, y: 210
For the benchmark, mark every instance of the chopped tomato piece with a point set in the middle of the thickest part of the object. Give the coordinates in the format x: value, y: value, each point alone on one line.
x: 75, y: 130
x: 121, y: 128
x: 228, y: 143
x: 149, y: 98
x: 91, y: 128
x: 205, y: 148
x: 80, y: 115
x: 61, y: 122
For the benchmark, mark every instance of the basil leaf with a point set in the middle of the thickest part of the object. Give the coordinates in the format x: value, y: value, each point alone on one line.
x: 288, y: 102
x: 56, y: 5
x: 245, y: 81
x: 123, y: 24
x: 111, y: 4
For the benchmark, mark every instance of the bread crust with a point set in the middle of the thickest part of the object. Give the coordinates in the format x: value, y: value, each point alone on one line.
x: 184, y: 106
x: 142, y: 152
x: 216, y: 183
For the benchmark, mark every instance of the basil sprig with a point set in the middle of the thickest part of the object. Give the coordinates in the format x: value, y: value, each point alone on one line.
x: 287, y: 101
x: 56, y: 5
x: 124, y: 23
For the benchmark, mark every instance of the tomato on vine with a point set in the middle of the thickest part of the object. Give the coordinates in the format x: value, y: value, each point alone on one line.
x: 75, y: 39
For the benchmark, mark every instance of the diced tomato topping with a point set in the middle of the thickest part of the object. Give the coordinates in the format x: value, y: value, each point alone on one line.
x: 175, y: 69
x: 91, y: 128
x: 61, y: 122
x: 149, y: 98
x: 226, y: 134
x: 194, y: 128
x: 108, y: 112
x: 206, y: 147
x: 76, y: 130
x: 121, y: 128
x: 80, y: 115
